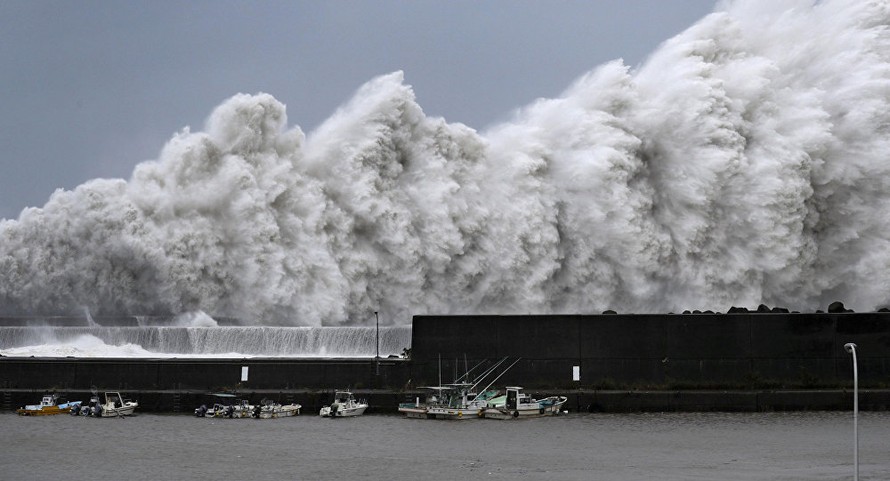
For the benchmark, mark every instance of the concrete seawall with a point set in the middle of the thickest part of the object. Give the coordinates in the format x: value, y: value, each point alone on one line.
x: 201, y: 374
x: 696, y: 351
x: 703, y: 362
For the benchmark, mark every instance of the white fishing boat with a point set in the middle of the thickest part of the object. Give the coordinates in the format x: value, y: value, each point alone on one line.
x: 49, y: 405
x: 458, y: 400
x: 115, y: 406
x: 268, y: 409
x: 517, y: 404
x: 418, y: 409
x: 345, y: 405
x: 448, y: 402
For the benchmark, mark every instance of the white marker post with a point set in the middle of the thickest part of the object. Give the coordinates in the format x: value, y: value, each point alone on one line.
x: 851, y: 348
x: 576, y: 376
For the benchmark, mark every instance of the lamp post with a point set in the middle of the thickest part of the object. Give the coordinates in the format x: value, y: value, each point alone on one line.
x: 851, y: 348
x: 377, y: 357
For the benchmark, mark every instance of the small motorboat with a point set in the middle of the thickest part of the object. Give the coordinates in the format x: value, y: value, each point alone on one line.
x: 225, y: 406
x: 49, y: 405
x: 268, y: 409
x: 517, y: 404
x: 114, y: 406
x: 344, y: 406
x: 92, y: 408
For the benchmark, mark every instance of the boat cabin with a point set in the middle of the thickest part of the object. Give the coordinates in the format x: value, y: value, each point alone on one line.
x: 342, y: 397
x: 112, y: 399
x: 515, y: 397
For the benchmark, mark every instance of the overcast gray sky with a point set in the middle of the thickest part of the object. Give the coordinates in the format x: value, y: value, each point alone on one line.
x: 91, y: 88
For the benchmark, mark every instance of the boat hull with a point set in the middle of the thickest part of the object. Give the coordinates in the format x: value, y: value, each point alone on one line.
x: 343, y: 412
x: 525, y: 411
x: 281, y: 412
x: 50, y: 405
x: 414, y: 412
x: 46, y: 410
x: 453, y: 413
x: 126, y: 410
x: 423, y: 412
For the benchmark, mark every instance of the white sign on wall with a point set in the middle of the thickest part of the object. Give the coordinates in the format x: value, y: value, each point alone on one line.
x: 243, y: 373
x: 576, y: 373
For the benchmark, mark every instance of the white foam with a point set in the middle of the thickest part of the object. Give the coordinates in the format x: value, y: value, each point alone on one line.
x: 202, y: 342
x: 743, y: 163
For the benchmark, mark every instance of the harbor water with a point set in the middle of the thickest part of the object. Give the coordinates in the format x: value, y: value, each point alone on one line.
x: 665, y: 446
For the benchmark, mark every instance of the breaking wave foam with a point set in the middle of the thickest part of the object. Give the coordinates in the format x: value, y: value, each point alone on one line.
x: 745, y: 162
x: 203, y: 342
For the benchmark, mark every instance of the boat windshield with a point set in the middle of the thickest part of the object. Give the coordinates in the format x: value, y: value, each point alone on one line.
x: 342, y: 396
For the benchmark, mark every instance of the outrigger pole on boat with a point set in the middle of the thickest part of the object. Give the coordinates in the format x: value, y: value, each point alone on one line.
x: 467, y: 374
x: 464, y: 380
x: 495, y: 379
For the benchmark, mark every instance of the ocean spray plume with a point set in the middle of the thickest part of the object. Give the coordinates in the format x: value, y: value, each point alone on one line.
x: 743, y: 163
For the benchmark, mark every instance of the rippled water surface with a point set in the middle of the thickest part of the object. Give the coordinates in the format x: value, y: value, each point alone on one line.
x: 712, y: 446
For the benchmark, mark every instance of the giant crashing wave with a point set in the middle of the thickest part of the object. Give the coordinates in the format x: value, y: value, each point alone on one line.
x: 746, y: 162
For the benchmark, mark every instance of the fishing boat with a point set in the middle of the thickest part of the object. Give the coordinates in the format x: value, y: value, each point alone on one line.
x: 419, y: 408
x: 50, y: 404
x: 268, y: 409
x: 517, y: 404
x: 344, y: 406
x: 457, y: 400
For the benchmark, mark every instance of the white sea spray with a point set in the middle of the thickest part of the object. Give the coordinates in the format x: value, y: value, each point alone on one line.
x: 745, y: 162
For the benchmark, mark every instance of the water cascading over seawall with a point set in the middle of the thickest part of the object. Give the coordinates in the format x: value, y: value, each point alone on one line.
x: 139, y: 338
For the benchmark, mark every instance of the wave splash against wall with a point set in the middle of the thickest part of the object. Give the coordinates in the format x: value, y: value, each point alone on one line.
x: 745, y: 162
x: 148, y: 338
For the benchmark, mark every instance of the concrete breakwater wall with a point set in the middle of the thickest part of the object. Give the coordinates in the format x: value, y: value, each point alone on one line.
x: 682, y: 351
x: 627, y: 362
x: 180, y: 385
x: 124, y: 374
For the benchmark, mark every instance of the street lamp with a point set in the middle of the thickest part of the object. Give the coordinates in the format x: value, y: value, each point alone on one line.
x: 377, y: 357
x: 851, y: 348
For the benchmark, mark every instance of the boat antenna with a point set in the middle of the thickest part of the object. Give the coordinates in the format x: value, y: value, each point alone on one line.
x: 466, y: 367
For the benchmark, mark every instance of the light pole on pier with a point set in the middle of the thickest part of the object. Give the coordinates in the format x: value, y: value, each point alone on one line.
x: 851, y: 348
x: 377, y: 357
